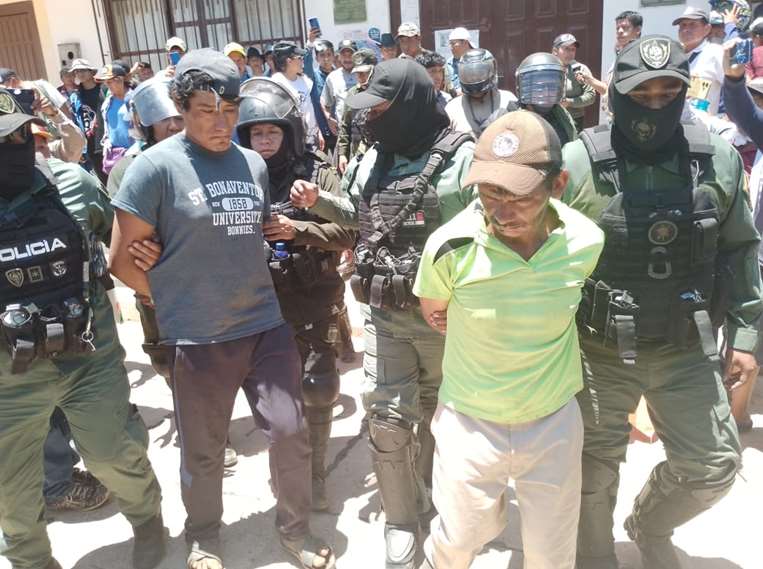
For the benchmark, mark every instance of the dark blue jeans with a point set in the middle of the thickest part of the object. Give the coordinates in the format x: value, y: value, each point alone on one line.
x: 59, y: 458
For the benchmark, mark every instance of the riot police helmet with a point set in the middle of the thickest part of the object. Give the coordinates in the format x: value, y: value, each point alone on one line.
x: 263, y: 101
x: 540, y: 80
x: 151, y: 103
x: 477, y: 71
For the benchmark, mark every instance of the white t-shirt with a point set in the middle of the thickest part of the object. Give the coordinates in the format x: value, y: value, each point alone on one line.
x: 467, y: 114
x: 706, y: 74
x: 301, y: 88
x: 335, y: 90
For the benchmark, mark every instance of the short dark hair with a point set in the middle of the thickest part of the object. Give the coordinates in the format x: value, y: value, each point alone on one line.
x: 636, y: 20
x: 183, y: 87
x: 430, y: 59
x: 144, y: 64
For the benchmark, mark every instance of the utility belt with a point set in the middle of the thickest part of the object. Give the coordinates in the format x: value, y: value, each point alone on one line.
x: 613, y: 315
x: 383, y: 280
x: 301, y: 268
x: 31, y: 332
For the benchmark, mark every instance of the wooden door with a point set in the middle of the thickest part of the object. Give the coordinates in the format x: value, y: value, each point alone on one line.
x: 20, y: 47
x: 513, y: 29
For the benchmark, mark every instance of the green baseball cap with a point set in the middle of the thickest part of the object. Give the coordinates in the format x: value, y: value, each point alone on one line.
x: 11, y: 116
x: 647, y: 58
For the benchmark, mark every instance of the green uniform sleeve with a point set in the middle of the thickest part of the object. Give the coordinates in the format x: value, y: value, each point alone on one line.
x: 738, y: 246
x: 327, y: 236
x: 433, y: 279
x: 341, y: 207
x: 588, y: 95
x: 84, y: 197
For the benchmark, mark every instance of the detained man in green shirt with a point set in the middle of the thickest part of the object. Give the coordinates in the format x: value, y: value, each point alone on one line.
x: 680, y: 259
x: 505, y: 278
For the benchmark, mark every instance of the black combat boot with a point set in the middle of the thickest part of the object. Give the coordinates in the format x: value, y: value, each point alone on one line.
x: 150, y: 545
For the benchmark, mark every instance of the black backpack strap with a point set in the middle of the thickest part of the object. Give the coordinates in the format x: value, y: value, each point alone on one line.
x: 441, y: 152
x: 700, y: 144
x: 598, y: 143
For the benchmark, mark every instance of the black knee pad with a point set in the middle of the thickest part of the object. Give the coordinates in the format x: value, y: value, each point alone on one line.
x: 320, y: 390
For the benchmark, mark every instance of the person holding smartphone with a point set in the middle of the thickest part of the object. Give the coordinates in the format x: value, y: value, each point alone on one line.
x: 577, y: 94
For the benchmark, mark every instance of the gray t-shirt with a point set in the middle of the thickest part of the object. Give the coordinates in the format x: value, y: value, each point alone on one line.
x: 211, y: 283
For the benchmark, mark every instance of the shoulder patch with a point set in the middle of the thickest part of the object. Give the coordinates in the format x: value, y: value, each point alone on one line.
x: 452, y: 245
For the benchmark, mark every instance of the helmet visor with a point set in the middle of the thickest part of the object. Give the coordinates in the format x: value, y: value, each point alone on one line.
x: 542, y: 87
x: 476, y: 72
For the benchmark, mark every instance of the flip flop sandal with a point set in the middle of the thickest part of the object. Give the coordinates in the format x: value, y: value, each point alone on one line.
x: 309, y: 552
x: 200, y: 559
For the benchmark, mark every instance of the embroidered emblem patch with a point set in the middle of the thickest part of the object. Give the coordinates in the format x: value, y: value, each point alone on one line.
x: 505, y: 145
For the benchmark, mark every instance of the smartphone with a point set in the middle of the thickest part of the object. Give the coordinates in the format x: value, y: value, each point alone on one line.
x: 742, y: 52
x: 314, y: 24
x: 25, y: 99
x: 175, y: 57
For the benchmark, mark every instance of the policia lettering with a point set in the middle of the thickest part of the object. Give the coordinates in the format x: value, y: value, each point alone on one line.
x: 396, y: 218
x: 656, y: 276
x: 45, y: 260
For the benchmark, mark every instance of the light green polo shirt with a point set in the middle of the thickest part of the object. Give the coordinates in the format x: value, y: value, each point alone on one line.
x: 511, y: 349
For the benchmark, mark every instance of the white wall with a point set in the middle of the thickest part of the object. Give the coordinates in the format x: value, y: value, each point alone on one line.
x: 74, y: 21
x: 657, y: 20
x: 377, y: 13
x: 68, y: 21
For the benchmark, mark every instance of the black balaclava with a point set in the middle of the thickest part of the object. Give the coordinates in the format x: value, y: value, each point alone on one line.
x: 414, y: 121
x: 280, y: 166
x: 16, y: 168
x: 643, y: 132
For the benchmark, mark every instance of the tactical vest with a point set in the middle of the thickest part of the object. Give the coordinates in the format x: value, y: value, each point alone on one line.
x: 44, y: 279
x: 655, y: 280
x: 303, y: 266
x: 396, y: 218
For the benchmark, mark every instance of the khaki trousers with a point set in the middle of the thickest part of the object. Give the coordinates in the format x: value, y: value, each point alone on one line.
x: 474, y: 460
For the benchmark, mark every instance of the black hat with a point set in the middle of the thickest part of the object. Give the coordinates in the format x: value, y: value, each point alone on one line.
x: 347, y: 44
x: 283, y: 49
x: 221, y: 69
x: 363, y: 60
x: 383, y: 85
x: 11, y: 115
x: 110, y: 71
x: 387, y: 40
x: 649, y: 57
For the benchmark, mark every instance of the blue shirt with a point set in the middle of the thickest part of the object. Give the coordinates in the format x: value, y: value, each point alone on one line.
x: 318, y: 76
x: 117, y: 119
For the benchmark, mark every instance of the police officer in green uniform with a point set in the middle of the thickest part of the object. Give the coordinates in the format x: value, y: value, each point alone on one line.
x: 679, y: 260
x: 61, y: 350
x: 303, y: 253
x: 540, y: 89
x: 406, y: 185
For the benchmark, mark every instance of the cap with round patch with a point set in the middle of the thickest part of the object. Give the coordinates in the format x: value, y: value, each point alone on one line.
x: 647, y: 58
x: 515, y: 153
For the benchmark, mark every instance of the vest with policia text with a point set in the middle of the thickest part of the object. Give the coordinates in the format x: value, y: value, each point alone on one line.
x: 656, y: 276
x: 397, y: 215
x: 305, y: 278
x: 44, y: 278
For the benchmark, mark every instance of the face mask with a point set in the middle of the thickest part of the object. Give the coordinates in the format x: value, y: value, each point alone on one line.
x: 16, y: 168
x: 646, y: 129
x: 77, y: 82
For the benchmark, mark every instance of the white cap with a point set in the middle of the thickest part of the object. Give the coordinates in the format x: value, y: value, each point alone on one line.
x: 408, y: 29
x: 460, y: 34
x: 757, y: 25
x: 176, y: 42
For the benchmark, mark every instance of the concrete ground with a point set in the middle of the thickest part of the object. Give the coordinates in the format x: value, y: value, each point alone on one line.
x: 727, y: 537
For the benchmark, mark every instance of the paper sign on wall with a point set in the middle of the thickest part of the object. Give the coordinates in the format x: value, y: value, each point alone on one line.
x: 442, y: 46
x: 349, y: 11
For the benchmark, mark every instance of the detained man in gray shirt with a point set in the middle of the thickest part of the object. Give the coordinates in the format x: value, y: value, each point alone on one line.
x: 205, y: 198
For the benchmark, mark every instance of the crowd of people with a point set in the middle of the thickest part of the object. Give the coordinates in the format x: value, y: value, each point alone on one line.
x: 524, y: 282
